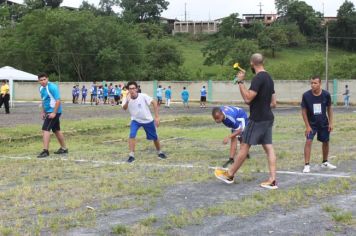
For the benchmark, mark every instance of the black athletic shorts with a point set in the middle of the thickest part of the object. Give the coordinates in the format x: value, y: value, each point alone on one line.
x: 203, y: 99
x: 51, y: 124
x: 258, y: 132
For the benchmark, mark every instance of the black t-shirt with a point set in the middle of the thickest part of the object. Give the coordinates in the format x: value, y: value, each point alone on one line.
x: 260, y: 107
x: 316, y: 107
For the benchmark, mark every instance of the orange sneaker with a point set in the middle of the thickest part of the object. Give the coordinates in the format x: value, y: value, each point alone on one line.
x: 224, y: 176
x: 269, y: 185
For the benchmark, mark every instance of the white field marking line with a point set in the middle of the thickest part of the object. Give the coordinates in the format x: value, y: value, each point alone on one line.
x: 170, y: 139
x: 188, y: 166
x: 313, y: 174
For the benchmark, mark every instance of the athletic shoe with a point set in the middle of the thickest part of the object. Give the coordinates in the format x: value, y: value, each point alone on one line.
x: 131, y: 159
x: 327, y: 165
x: 61, y: 151
x: 306, y: 169
x: 229, y: 162
x: 162, y: 156
x: 269, y: 185
x: 43, y: 154
x: 224, y: 176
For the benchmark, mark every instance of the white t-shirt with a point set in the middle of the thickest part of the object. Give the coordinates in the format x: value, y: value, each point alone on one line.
x: 139, y: 108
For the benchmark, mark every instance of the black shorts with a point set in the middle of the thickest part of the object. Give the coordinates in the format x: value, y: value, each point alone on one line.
x: 203, y: 99
x: 51, y: 124
x: 258, y: 132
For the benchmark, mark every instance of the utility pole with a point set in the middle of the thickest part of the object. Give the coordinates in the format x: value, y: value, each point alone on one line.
x: 260, y: 5
x: 185, y: 12
x: 327, y: 56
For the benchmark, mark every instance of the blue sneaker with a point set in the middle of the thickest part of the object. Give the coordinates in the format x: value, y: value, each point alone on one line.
x: 131, y: 159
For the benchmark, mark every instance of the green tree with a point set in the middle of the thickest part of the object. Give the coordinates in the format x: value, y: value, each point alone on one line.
x: 242, y: 51
x: 345, y: 27
x: 164, y: 61
x: 38, y: 4
x: 217, y: 50
x: 294, y: 36
x: 106, y: 6
x: 282, y: 6
x: 308, y: 20
x: 273, y: 38
x: 230, y: 26
x: 347, y: 62
x: 143, y: 10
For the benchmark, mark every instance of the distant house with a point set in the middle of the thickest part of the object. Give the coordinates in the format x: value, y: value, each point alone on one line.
x: 168, y: 22
x: 266, y: 19
x: 196, y: 27
x: 329, y: 19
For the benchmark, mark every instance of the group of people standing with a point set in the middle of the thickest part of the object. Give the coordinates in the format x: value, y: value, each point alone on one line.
x: 184, y: 96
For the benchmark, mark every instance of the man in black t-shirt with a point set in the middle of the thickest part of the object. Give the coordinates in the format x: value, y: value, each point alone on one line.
x: 318, y: 118
x: 261, y: 98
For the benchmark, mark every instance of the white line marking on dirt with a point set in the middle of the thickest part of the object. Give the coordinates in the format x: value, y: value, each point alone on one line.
x: 188, y: 166
x: 313, y: 174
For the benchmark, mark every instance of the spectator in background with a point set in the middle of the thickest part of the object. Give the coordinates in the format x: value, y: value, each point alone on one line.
x: 74, y: 94
x: 185, y: 97
x: 159, y: 95
x: 347, y: 96
x: 5, y: 96
x: 117, y: 94
x: 100, y: 95
x: 112, y: 94
x: 203, y: 97
x: 105, y: 93
x: 84, y: 94
x: 124, y: 92
x: 168, y: 96
x: 139, y: 89
x: 94, y: 93
x: 77, y: 93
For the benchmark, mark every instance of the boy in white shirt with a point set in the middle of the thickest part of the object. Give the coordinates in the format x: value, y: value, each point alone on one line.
x: 138, y: 105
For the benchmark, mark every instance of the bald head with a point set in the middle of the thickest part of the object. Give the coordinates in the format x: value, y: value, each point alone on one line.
x: 257, y: 59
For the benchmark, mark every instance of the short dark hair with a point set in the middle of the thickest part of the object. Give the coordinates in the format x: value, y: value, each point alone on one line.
x: 215, y: 110
x: 346, y: 86
x: 316, y: 77
x: 131, y: 83
x: 41, y: 75
x: 183, y: 87
x: 4, y: 81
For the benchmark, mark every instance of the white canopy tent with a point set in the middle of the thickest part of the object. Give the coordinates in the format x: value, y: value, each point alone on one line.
x: 11, y: 74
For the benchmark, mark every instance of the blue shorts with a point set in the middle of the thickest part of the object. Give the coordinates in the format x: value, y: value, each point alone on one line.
x: 150, y: 129
x: 323, y: 134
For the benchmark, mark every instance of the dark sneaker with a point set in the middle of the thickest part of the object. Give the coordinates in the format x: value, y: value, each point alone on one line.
x: 61, y: 151
x: 43, y: 154
x: 131, y: 159
x: 162, y: 156
x: 229, y: 162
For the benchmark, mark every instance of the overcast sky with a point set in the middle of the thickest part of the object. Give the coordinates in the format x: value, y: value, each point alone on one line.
x: 214, y: 9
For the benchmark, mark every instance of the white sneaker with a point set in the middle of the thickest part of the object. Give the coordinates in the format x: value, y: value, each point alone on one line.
x: 306, y: 169
x: 327, y: 165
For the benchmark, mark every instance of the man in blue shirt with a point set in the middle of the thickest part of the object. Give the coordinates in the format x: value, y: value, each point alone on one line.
x: 94, y: 92
x: 185, y: 97
x: 168, y: 96
x: 106, y: 93
x: 234, y: 118
x: 51, y: 111
x: 159, y: 95
x: 202, y: 97
x: 117, y: 94
x: 84, y: 94
x: 318, y: 119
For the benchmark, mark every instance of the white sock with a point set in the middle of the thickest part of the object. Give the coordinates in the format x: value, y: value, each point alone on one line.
x: 132, y: 154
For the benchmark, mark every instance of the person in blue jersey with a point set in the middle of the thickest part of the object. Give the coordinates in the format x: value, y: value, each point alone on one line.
x: 168, y: 96
x: 84, y: 94
x: 77, y: 93
x: 185, y: 97
x: 100, y: 95
x: 203, y: 97
x: 318, y: 119
x: 94, y: 93
x: 159, y: 95
x: 50, y: 113
x: 234, y: 118
x: 111, y: 94
x: 117, y: 94
x: 105, y: 93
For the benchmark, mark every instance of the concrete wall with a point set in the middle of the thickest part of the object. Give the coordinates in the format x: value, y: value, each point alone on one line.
x: 222, y: 91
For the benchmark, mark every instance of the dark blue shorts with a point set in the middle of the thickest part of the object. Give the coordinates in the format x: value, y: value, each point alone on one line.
x: 150, y: 129
x: 51, y: 124
x: 323, y: 134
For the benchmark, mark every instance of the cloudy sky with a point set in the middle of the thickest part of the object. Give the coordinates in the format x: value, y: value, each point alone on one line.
x: 213, y: 9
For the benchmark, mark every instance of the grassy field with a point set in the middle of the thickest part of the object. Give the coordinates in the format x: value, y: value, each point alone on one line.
x: 287, y: 60
x: 57, y: 195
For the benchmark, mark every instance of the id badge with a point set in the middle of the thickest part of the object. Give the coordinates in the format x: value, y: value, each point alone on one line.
x: 317, y: 108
